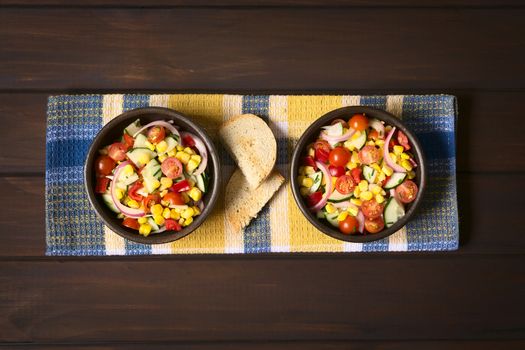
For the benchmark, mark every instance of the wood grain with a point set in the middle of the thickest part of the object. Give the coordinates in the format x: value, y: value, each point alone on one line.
x: 259, y: 299
x: 476, y: 125
x: 484, y: 228
x: 275, y: 48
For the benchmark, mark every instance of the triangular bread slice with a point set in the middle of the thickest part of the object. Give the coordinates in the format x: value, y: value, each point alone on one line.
x: 243, y: 203
x: 252, y: 145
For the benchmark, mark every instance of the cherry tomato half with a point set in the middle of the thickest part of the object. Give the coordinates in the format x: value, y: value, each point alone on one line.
x: 403, y: 140
x: 172, y: 225
x: 132, y: 192
x: 309, y: 161
x: 117, y: 151
x: 314, y: 198
x: 128, y: 141
x: 171, y: 167
x: 322, y: 151
x: 188, y: 141
x: 104, y: 165
x: 345, y: 184
x: 156, y: 134
x: 407, y: 191
x: 173, y: 198
x: 358, y: 122
x: 102, y: 185
x: 356, y: 174
x: 373, y: 134
x: 150, y: 200
x: 131, y: 223
x: 322, y: 144
x: 374, y: 225
x: 181, y: 186
x: 339, y: 156
x: 369, y: 154
x: 336, y: 170
x: 371, y: 209
x: 349, y: 225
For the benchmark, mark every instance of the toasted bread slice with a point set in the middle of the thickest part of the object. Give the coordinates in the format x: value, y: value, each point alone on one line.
x: 252, y: 145
x: 243, y: 203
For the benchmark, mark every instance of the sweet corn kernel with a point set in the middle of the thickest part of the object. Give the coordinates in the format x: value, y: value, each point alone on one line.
x: 393, y: 157
x: 311, y: 152
x: 411, y: 174
x: 330, y: 208
x: 349, y: 145
x: 187, y: 213
x: 165, y: 182
x: 357, y: 192
x: 356, y: 135
x: 196, y: 158
x: 172, y: 153
x: 144, y: 158
x: 175, y: 215
x: 375, y: 189
x: 351, y: 165
x: 195, y: 194
x: 371, y: 143
x: 405, y: 156
x: 305, y: 191
x: 308, y: 170
x: 189, y: 151
x: 180, y: 148
x: 149, y: 145
x: 355, y: 157
x: 307, y: 182
x: 188, y: 221
x: 156, y: 209
x: 155, y: 183
x: 363, y: 185
x: 334, y: 180
x: 119, y: 193
x: 376, y: 167
x: 159, y: 219
x: 379, y: 198
x: 166, y: 213
x: 380, y: 143
x: 383, y: 193
x: 300, y: 179
x: 301, y: 170
x: 133, y: 204
x: 192, y: 165
x: 406, y: 164
x: 162, y: 146
x: 196, y: 210
x: 353, y: 211
x: 183, y: 157
x: 387, y: 170
x: 398, y: 150
x: 342, y: 216
x: 381, y: 177
x: 142, y: 220
x: 145, y: 229
x: 181, y: 221
x: 356, y: 201
x: 323, y: 181
x: 367, y: 195
x: 128, y: 170
x: 185, y: 197
x: 163, y: 157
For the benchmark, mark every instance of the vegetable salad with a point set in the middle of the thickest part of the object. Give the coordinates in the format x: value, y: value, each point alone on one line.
x: 359, y: 175
x: 154, y: 177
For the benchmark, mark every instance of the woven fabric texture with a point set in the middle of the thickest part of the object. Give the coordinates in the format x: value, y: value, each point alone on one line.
x: 73, y: 228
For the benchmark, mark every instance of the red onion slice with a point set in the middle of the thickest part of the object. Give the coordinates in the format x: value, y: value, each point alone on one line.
x: 163, y: 123
x: 361, y: 220
x: 202, y: 151
x: 129, y: 212
x: 162, y: 229
x: 328, y: 191
x: 377, y: 126
x: 335, y: 139
x: 386, y: 154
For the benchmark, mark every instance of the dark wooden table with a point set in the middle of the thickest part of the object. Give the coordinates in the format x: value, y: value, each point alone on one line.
x: 472, y: 298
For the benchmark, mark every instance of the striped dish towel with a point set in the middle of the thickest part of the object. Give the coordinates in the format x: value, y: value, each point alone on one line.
x: 72, y: 227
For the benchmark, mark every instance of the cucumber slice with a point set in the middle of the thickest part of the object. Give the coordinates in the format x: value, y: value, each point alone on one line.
x: 395, y: 180
x: 369, y: 174
x: 128, y: 180
x: 202, y: 182
x: 133, y: 127
x: 149, y: 182
x: 172, y: 143
x: 140, y: 141
x: 360, y: 141
x: 317, y: 177
x: 332, y: 219
x: 141, y: 156
x: 337, y: 197
x: 321, y: 214
x: 153, y: 224
x: 109, y: 202
x: 393, y: 211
